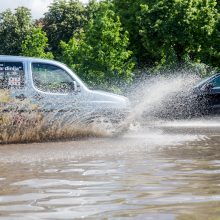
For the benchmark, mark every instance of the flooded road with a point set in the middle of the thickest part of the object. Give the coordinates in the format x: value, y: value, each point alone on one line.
x: 168, y: 170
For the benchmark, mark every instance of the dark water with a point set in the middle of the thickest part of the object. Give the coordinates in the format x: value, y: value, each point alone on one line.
x: 162, y: 171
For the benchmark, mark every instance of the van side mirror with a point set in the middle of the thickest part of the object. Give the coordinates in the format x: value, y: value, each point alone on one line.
x: 74, y: 86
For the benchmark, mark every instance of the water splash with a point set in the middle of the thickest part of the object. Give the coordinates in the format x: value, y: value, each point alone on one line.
x: 148, y: 99
x: 152, y: 97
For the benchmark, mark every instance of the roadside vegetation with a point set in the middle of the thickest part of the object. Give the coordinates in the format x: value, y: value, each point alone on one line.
x: 113, y: 42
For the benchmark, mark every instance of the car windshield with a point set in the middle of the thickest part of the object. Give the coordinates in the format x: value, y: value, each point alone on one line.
x: 202, y: 81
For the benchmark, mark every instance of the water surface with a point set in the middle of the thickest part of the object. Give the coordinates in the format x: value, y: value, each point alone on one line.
x: 168, y: 170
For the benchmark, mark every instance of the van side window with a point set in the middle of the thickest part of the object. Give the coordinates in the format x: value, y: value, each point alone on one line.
x: 50, y: 78
x: 11, y: 75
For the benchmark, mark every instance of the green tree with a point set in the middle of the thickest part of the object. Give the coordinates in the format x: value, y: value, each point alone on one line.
x: 35, y: 44
x: 218, y: 5
x: 176, y: 30
x: 91, y: 8
x: 128, y: 11
x: 100, y: 55
x: 211, y: 54
x: 13, y: 28
x: 62, y: 20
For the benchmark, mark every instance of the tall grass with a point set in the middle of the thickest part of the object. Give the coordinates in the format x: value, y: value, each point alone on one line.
x: 22, y: 121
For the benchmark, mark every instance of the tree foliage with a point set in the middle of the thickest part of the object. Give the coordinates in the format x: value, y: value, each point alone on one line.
x: 210, y: 54
x: 176, y: 30
x: 100, y: 54
x: 62, y: 20
x: 35, y: 44
x: 128, y: 11
x: 13, y: 29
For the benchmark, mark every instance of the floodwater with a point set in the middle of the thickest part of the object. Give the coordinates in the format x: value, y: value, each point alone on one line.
x: 164, y: 170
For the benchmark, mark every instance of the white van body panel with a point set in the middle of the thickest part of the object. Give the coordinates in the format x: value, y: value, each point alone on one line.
x: 83, y: 99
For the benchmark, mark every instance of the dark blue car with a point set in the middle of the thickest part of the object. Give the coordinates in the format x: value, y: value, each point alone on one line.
x: 207, y: 95
x: 203, y: 99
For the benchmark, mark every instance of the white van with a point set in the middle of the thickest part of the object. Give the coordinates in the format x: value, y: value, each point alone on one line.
x: 55, y: 87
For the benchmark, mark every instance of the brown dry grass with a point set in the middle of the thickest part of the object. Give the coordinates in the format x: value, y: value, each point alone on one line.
x: 34, y: 128
x: 21, y: 122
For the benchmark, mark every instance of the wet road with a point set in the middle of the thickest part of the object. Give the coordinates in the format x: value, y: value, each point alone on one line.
x: 167, y: 170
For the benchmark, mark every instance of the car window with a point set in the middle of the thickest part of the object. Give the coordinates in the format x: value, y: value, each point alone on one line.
x: 50, y: 78
x: 201, y: 82
x: 216, y: 82
x: 11, y: 75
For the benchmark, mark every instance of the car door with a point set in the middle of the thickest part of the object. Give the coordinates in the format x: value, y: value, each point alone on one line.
x: 212, y: 94
x: 54, y: 88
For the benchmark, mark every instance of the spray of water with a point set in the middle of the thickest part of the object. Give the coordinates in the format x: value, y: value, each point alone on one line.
x: 148, y: 99
x: 151, y: 98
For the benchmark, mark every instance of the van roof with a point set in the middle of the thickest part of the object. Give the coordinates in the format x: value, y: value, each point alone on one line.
x: 21, y: 58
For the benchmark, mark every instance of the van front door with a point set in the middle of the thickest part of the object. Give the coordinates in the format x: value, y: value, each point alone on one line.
x: 54, y: 88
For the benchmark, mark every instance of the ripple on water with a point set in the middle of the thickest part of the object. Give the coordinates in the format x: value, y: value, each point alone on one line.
x: 41, y: 183
x: 138, y: 176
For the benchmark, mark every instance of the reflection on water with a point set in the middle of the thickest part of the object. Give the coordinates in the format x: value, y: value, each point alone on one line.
x: 157, y: 173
